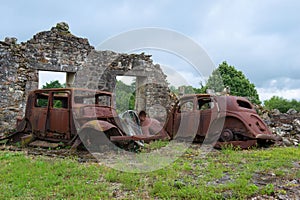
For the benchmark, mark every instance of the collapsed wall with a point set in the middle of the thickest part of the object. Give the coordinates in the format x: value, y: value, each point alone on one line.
x: 59, y: 50
x: 16, y: 77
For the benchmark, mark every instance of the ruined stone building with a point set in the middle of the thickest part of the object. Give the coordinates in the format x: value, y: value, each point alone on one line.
x: 59, y: 50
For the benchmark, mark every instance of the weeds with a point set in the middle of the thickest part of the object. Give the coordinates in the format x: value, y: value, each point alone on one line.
x: 226, y: 174
x: 154, y: 145
x: 268, y: 189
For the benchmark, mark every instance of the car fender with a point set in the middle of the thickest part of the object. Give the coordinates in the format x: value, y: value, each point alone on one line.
x: 98, y: 125
x: 219, y: 123
x: 254, y: 125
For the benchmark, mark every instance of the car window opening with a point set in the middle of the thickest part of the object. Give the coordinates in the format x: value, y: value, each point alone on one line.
x: 244, y: 104
x: 205, y: 104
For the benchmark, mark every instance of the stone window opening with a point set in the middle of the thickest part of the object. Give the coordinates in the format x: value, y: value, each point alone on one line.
x: 48, y: 76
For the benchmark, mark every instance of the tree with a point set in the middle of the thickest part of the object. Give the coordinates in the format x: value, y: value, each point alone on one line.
x: 227, y: 76
x: 283, y: 105
x: 184, y: 89
x: 125, y: 96
x: 52, y: 84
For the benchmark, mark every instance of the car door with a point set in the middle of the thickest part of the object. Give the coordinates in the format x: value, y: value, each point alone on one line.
x: 59, y: 115
x: 208, y: 112
x: 186, y: 119
x: 38, y: 117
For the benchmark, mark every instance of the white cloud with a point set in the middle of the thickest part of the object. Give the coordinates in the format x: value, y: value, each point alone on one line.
x: 260, y: 38
x: 126, y: 79
x: 282, y: 83
x: 257, y: 37
x: 184, y: 78
x: 47, y: 77
x: 285, y: 87
x: 267, y: 93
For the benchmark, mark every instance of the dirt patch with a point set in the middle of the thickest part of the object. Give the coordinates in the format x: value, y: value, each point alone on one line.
x: 284, y: 187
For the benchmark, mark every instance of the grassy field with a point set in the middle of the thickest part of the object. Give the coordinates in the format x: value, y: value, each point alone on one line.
x: 224, y: 174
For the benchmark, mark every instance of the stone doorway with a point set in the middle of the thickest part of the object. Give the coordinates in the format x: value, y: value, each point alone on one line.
x: 125, y: 93
x: 134, y: 93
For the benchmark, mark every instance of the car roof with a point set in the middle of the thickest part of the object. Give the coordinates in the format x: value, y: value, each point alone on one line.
x: 189, y: 96
x: 72, y: 90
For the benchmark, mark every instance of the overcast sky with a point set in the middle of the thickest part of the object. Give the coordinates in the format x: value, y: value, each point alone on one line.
x: 260, y: 38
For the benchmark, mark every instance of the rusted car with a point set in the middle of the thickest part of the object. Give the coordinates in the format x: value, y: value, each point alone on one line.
x: 217, y: 120
x: 70, y: 116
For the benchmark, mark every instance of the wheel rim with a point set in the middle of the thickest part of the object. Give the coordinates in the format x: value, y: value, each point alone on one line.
x: 226, y: 135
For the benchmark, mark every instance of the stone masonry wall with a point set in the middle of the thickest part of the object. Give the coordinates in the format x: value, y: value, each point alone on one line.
x: 102, y: 67
x: 16, y: 78
x: 59, y: 50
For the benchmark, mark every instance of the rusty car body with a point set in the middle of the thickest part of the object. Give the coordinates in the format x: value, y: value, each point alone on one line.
x: 220, y: 120
x: 69, y: 116
x: 74, y: 116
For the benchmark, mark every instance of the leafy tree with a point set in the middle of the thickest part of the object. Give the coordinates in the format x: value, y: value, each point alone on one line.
x: 227, y: 76
x: 125, y: 96
x: 199, y: 90
x: 52, y: 84
x: 132, y: 97
x: 282, y: 104
x: 186, y: 89
x: 173, y: 89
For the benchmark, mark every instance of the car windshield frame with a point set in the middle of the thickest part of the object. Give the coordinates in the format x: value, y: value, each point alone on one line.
x: 98, y: 99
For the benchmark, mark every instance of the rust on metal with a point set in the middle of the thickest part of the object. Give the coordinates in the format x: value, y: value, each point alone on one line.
x: 220, y: 120
x: 70, y: 115
x: 136, y: 138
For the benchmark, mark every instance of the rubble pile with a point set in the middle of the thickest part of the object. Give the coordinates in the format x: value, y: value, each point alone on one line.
x: 285, y: 125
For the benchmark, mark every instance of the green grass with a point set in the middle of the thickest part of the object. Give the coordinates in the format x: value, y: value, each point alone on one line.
x: 43, y: 178
x: 225, y: 174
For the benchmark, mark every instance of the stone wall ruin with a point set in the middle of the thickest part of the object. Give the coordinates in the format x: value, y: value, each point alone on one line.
x: 61, y: 51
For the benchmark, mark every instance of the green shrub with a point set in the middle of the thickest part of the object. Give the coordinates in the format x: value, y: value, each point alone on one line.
x: 283, y: 105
